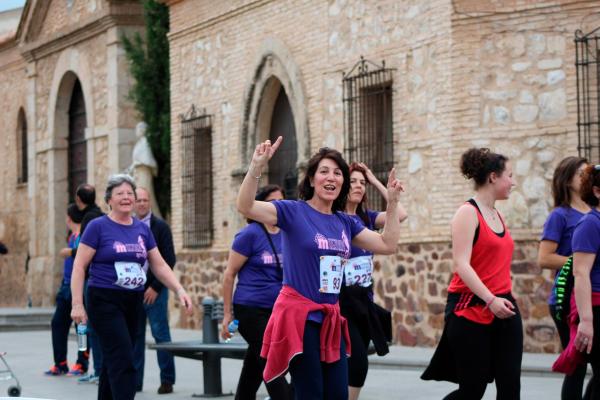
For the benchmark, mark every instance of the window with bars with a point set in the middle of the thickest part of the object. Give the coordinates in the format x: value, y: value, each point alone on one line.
x: 22, y: 148
x: 368, y: 122
x: 587, y: 53
x: 197, y: 179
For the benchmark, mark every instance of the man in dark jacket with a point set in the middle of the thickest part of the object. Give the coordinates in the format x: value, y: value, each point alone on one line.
x: 156, y: 299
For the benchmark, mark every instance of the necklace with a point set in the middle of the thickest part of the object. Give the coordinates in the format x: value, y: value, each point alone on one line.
x: 491, y: 212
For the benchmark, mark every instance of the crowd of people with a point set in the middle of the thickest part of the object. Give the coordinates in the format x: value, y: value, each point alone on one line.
x: 304, y: 298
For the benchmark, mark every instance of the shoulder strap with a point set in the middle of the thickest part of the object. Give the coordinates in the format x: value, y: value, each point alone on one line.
x: 474, y: 204
x: 272, y: 245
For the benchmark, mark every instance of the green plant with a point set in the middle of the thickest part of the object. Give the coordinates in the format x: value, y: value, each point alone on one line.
x: 149, y: 65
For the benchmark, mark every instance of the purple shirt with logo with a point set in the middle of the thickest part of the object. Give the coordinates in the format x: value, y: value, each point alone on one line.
x: 559, y: 228
x: 586, y: 239
x: 115, y: 242
x: 307, y: 235
x: 259, y: 279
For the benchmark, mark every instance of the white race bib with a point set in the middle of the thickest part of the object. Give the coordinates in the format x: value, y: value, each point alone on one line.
x: 358, y: 271
x: 331, y: 272
x: 130, y: 275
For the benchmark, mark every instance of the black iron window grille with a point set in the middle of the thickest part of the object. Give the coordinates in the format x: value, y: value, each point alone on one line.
x: 22, y: 148
x: 587, y: 54
x: 368, y: 122
x: 197, y: 179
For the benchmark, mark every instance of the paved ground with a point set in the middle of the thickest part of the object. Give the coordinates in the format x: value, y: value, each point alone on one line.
x: 396, y: 376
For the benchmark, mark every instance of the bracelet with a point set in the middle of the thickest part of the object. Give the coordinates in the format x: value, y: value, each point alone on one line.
x: 180, y: 291
x: 256, y: 177
x: 489, y: 303
x: 76, y: 305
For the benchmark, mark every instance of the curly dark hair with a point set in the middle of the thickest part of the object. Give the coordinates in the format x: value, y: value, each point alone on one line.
x: 306, y: 191
x: 479, y: 163
x: 589, y: 180
x: 563, y: 175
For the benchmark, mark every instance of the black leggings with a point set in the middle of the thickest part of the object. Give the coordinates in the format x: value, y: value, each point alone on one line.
x: 484, y: 351
x: 572, y: 386
x: 252, y: 324
x: 594, y: 358
x: 358, y: 363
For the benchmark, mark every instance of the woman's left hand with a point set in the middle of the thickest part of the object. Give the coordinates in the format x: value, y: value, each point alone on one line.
x: 185, y: 300
x: 585, y: 336
x: 394, y: 187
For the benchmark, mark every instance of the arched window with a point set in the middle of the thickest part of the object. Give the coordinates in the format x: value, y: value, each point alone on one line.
x: 22, y: 147
x: 77, y: 142
x: 282, y: 167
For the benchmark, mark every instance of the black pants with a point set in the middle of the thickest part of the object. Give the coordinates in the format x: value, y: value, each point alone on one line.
x: 314, y: 379
x: 252, y: 325
x: 594, y: 358
x: 358, y: 363
x: 486, y: 351
x: 572, y: 387
x: 61, y: 324
x: 114, y: 316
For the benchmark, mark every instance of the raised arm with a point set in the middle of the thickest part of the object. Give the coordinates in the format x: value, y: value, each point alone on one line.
x: 464, y: 225
x: 261, y: 211
x: 381, y: 217
x: 385, y: 242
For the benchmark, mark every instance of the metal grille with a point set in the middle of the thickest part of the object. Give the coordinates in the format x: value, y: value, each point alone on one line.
x: 22, y: 148
x: 197, y: 179
x: 368, y: 121
x: 587, y: 53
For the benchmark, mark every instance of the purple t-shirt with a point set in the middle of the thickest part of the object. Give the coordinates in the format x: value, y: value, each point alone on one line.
x: 586, y: 239
x: 115, y: 242
x: 357, y: 251
x: 259, y: 279
x: 559, y: 228
x: 307, y: 235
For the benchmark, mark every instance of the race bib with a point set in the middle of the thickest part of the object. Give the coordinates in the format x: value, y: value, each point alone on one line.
x: 130, y: 275
x: 358, y: 271
x: 331, y: 271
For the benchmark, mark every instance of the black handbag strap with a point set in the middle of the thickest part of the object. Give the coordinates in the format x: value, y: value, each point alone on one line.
x: 272, y: 245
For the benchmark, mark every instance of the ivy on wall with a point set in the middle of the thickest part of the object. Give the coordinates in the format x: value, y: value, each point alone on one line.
x: 149, y: 65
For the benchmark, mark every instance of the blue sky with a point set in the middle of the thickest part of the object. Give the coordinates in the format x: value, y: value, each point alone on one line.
x: 10, y: 4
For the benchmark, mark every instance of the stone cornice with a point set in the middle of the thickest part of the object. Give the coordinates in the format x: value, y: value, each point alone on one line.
x: 215, y: 20
x: 42, y: 48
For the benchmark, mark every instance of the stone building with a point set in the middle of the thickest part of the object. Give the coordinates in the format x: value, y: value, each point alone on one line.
x: 65, y: 120
x: 445, y: 75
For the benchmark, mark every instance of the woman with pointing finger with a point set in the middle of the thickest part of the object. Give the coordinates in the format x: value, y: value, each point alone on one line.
x: 483, y: 335
x: 306, y: 331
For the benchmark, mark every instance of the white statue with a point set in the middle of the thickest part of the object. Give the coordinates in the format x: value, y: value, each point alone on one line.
x: 143, y: 165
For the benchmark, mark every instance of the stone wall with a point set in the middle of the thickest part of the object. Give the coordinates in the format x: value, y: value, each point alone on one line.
x: 14, y: 222
x: 466, y: 74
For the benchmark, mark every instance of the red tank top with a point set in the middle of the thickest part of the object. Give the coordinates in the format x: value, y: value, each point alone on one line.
x: 490, y: 258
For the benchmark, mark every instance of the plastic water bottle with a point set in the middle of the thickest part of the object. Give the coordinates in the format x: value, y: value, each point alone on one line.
x: 82, y: 337
x: 232, y: 328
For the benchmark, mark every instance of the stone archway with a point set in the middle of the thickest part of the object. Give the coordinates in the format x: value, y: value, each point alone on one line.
x: 275, y: 71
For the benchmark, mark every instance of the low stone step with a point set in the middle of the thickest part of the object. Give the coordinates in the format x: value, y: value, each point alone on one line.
x: 25, y: 319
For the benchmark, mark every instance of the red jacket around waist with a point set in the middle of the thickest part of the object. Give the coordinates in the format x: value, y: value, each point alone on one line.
x: 570, y: 357
x: 284, y: 334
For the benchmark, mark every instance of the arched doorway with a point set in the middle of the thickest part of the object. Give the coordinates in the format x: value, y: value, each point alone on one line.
x: 282, y: 167
x: 77, y: 150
